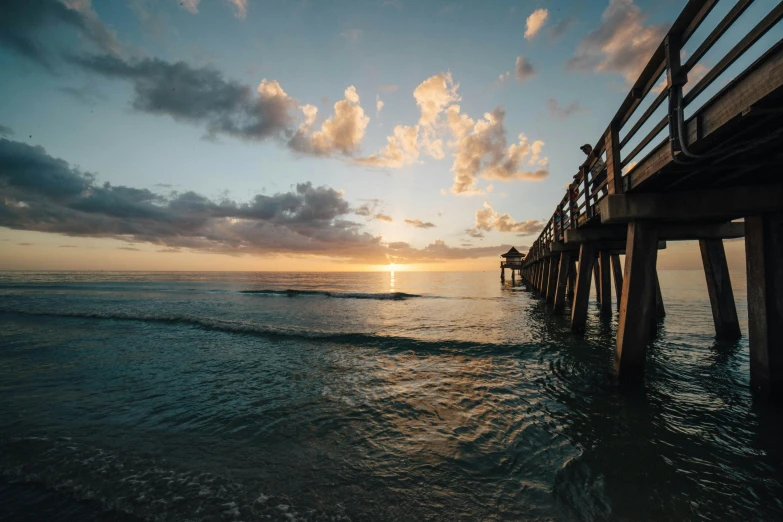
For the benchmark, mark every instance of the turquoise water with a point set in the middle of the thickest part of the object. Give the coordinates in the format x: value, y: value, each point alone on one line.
x: 412, y: 396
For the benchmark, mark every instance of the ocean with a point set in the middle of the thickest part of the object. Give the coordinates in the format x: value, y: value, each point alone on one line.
x: 367, y: 396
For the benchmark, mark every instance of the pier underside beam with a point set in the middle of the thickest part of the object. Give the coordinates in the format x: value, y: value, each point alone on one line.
x: 638, y: 300
x: 582, y: 292
x: 666, y: 232
x: 597, y: 278
x: 716, y: 270
x: 696, y: 205
x: 562, y: 282
x: 764, y: 251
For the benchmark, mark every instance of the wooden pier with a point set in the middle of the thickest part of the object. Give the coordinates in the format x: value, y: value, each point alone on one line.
x: 714, y: 175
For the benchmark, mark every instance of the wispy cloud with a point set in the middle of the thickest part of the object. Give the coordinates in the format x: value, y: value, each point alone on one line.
x: 561, y: 113
x: 535, y: 22
x: 418, y: 223
x: 523, y: 69
x: 621, y: 44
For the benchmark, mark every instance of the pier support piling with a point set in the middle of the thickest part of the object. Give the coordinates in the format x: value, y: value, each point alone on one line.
x: 563, y: 275
x: 716, y: 270
x: 551, y: 285
x: 605, y: 289
x: 638, y: 299
x: 764, y: 251
x: 582, y: 292
x: 617, y: 270
x: 597, y: 278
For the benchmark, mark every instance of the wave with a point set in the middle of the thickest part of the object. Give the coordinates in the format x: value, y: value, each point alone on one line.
x: 383, y: 296
x: 371, y: 339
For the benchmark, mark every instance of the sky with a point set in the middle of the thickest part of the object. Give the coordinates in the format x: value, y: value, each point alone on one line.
x: 304, y: 135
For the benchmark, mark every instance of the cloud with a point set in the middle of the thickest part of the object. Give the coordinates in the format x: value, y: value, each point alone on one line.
x: 306, y: 220
x: 200, y: 95
x: 25, y: 244
x: 190, y: 5
x: 389, y: 87
x: 6, y: 131
x: 432, y: 96
x: 535, y: 22
x: 239, y: 7
x: 383, y: 217
x: 26, y: 25
x: 480, y: 150
x: 487, y: 219
x: 523, y: 69
x: 132, y: 249
x: 402, y: 149
x: 621, y: 44
x: 559, y: 29
x: 342, y: 133
x: 68, y: 246
x: 378, y: 105
x: 561, y: 113
x: 418, y: 223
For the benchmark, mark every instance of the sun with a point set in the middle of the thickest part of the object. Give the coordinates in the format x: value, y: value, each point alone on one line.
x: 392, y: 266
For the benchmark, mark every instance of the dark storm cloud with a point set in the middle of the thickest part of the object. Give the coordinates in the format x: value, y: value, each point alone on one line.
x: 198, y: 95
x: 46, y: 194
x: 26, y: 24
x: 6, y: 131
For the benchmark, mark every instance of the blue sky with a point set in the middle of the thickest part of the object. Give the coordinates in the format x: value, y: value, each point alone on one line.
x: 315, y: 51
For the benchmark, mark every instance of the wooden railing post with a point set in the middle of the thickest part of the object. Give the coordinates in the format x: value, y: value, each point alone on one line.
x: 614, y: 169
x: 588, y: 206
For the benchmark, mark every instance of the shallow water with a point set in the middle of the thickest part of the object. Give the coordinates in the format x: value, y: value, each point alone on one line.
x: 207, y: 396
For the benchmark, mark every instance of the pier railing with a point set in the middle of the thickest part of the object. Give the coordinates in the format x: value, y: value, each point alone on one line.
x: 655, y: 175
x: 662, y: 79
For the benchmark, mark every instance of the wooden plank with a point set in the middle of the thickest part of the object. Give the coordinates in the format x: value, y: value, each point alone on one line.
x: 563, y: 268
x: 696, y: 205
x: 636, y: 308
x: 617, y: 270
x: 582, y: 292
x: 604, y: 267
x: 758, y: 81
x: 716, y: 271
x: 763, y: 252
x: 666, y: 232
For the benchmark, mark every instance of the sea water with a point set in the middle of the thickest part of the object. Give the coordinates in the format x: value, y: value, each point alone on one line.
x: 367, y: 396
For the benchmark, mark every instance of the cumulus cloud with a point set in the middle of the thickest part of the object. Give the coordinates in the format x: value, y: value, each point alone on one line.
x: 487, y: 219
x: 535, y: 22
x: 27, y: 25
x: 341, y: 133
x: 402, y: 149
x: 432, y: 96
x: 523, y: 69
x: 560, y: 112
x: 378, y: 105
x: 621, y: 44
x: 480, y: 150
x: 46, y: 194
x: 383, y: 217
x: 200, y: 95
x: 418, y: 223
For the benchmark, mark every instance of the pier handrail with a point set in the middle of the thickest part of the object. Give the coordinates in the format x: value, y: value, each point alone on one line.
x: 577, y: 207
